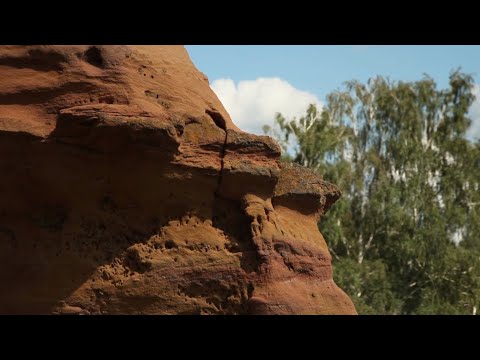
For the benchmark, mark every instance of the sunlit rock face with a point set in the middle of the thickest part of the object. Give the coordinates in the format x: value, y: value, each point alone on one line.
x: 125, y: 188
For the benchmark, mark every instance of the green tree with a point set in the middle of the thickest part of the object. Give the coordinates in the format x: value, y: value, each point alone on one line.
x: 405, y: 236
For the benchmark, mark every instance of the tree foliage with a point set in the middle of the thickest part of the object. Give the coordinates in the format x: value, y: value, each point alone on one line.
x: 405, y: 236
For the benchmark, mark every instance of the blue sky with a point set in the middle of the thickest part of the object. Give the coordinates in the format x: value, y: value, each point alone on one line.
x: 242, y: 76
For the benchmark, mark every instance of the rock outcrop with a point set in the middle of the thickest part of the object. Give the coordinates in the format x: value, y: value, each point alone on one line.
x: 125, y: 188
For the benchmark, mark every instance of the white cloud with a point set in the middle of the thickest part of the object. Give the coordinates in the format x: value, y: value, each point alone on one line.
x: 474, y: 130
x: 253, y: 103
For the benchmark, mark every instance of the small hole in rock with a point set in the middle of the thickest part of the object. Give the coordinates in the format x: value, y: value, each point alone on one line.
x: 170, y: 244
x: 94, y: 56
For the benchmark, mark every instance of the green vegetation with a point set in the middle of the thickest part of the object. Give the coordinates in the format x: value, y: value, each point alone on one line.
x: 405, y: 236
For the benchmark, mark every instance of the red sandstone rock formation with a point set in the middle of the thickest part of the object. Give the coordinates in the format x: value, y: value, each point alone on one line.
x: 125, y: 188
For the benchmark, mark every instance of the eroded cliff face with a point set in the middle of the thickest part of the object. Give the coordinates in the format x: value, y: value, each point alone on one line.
x: 125, y: 188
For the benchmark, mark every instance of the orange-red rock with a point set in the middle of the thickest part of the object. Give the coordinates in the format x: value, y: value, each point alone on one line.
x: 125, y: 188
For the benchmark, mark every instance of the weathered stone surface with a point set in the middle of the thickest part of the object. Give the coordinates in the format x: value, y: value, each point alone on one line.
x: 125, y: 188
